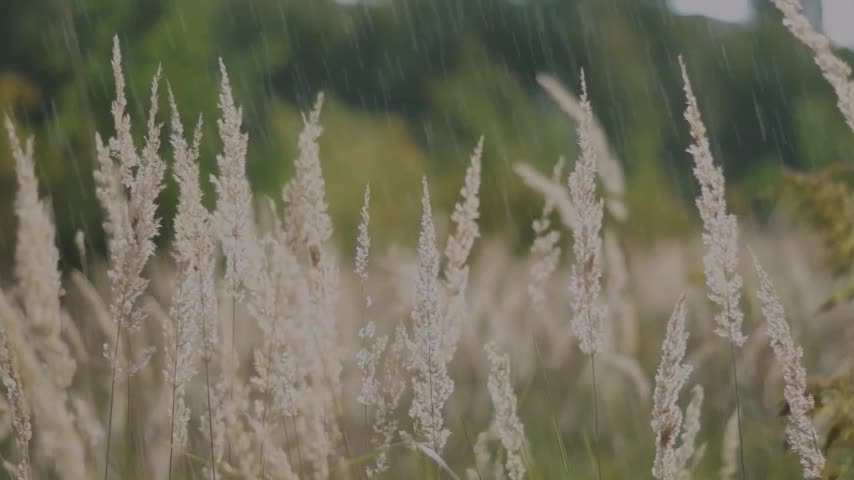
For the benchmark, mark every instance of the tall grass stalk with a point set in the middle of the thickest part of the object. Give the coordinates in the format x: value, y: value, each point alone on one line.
x: 597, y: 446
x: 720, y: 241
x: 743, y: 473
x: 128, y: 194
x: 206, y: 360
x: 586, y: 274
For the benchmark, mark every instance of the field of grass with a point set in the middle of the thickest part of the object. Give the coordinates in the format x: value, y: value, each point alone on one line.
x: 254, y: 345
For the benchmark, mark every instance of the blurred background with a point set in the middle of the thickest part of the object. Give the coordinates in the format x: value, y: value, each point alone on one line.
x: 412, y: 84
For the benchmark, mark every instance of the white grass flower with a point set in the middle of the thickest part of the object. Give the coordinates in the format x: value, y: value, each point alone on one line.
x: 368, y: 359
x: 506, y: 424
x: 278, y: 300
x: 234, y: 217
x: 307, y: 219
x: 122, y: 144
x: 688, y: 454
x: 552, y: 191
x: 309, y: 229
x: 457, y: 251
x: 56, y: 436
x: 609, y: 169
x: 230, y: 406
x: 465, y: 216
x: 194, y: 303
x: 19, y: 407
x: 834, y: 69
x: 363, y: 244
x: 586, y: 274
x: 720, y: 228
x: 431, y: 384
x: 37, y: 266
x: 128, y: 196
x: 669, y: 380
x: 800, y: 431
x: 389, y: 390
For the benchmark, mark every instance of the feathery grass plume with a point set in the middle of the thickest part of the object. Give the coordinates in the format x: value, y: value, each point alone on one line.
x: 431, y: 384
x: 278, y: 299
x: 834, y: 69
x: 245, y: 425
x: 233, y: 217
x: 720, y: 228
x: 128, y: 196
x: 372, y: 350
x: 720, y: 239
x: 231, y: 403
x: 506, y: 424
x: 19, y: 408
x: 33, y: 336
x: 309, y: 230
x: 800, y: 431
x: 363, y: 241
x: 369, y: 356
x: 368, y: 360
x: 585, y: 278
x: 586, y: 274
x: 688, y: 454
x: 729, y: 448
x: 276, y: 379
x: 370, y: 392
x: 307, y: 218
x: 56, y: 436
x: 245, y: 278
x: 551, y: 190
x: 253, y: 268
x: 457, y: 251
x: 248, y: 278
x: 382, y: 390
x: 280, y: 467
x: 363, y: 245
x: 545, y: 249
x: 37, y: 267
x: 669, y: 380
x: 609, y: 168
x: 194, y: 303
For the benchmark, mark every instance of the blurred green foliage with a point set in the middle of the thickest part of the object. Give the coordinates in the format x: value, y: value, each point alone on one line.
x: 412, y: 85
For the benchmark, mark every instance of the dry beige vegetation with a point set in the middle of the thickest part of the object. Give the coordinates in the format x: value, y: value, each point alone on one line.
x: 250, y: 348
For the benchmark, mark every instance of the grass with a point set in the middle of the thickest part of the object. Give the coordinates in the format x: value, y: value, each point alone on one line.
x: 303, y: 388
